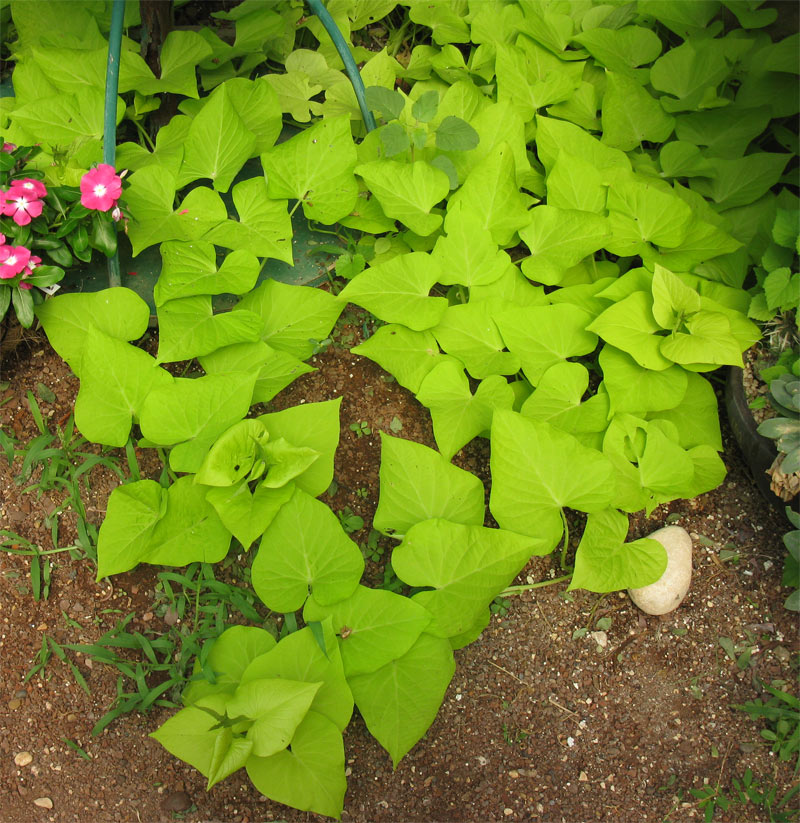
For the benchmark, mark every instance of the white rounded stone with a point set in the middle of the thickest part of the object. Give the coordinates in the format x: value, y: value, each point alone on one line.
x: 668, y: 591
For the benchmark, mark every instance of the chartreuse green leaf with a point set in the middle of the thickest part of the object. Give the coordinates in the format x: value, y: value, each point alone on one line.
x: 263, y: 228
x: 575, y: 184
x: 695, y: 416
x: 639, y: 212
x: 277, y: 705
x: 310, y: 776
x: 623, y: 49
x: 189, y: 269
x: 218, y: 143
x: 115, y: 380
x: 519, y: 83
x: 664, y: 467
x: 195, y: 736
x: 533, y: 476
x: 418, y: 483
x: 145, y: 524
x: 293, y: 318
x: 637, y: 390
x: 189, y: 328
x: 558, y: 239
x: 631, y: 115
x: 468, y: 332
x: 554, y: 136
x: 466, y: 254
x: 276, y: 369
x: 458, y: 415
x: 247, y: 514
x: 557, y: 399
x: 257, y: 104
x: 193, y: 413
x: 726, y: 131
x: 233, y: 454
x: 315, y: 167
x: 118, y: 312
x: 304, y: 550
x: 132, y: 513
x: 491, y: 191
x: 407, y: 191
x: 690, y: 73
x: 742, y: 180
x: 447, y: 25
x: 605, y: 563
x: 299, y: 656
x: 150, y: 197
x: 230, y: 655
x: 629, y: 325
x: 673, y: 300
x: 400, y: 700
x: 314, y: 426
x: 707, y: 342
x: 294, y: 91
x: 285, y: 462
x: 398, y: 291
x: 374, y: 626
x: 189, y: 530
x: 407, y: 355
x: 467, y: 566
x: 543, y: 335
x: 179, y: 57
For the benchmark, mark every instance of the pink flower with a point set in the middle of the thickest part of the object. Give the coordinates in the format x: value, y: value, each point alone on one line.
x: 8, y: 147
x: 2, y: 238
x: 13, y: 259
x: 100, y: 188
x: 21, y: 206
x: 32, y: 264
x: 34, y: 188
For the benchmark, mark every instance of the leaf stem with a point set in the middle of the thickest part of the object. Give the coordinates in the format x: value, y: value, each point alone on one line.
x: 143, y: 133
x: 528, y: 586
x: 565, y: 547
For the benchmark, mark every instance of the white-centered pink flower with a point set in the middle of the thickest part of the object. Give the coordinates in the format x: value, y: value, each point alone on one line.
x: 33, y: 188
x: 20, y: 205
x: 13, y: 260
x: 100, y: 188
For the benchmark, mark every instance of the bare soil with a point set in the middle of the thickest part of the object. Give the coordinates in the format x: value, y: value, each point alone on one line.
x: 538, y: 724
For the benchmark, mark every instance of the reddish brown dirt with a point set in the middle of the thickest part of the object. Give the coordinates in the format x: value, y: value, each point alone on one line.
x: 536, y: 725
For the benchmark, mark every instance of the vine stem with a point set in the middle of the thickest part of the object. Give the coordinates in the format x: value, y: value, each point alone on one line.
x: 528, y: 586
x: 565, y: 547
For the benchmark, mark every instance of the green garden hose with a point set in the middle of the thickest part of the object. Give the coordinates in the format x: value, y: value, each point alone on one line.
x: 110, y: 114
x: 349, y: 64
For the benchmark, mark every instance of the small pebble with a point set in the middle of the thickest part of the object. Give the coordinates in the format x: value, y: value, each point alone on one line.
x: 583, y: 777
x: 23, y: 759
x: 14, y: 704
x: 43, y: 803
